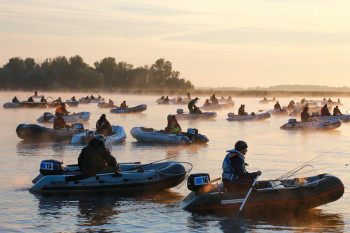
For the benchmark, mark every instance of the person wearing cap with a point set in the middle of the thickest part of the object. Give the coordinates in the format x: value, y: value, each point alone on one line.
x: 95, y: 158
x: 61, y: 109
x: 123, y: 105
x: 325, y: 111
x: 103, y: 126
x: 192, y: 105
x: 234, y: 175
x: 305, y: 116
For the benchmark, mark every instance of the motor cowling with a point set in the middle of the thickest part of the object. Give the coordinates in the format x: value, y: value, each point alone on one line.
x: 195, y: 182
x: 192, y: 134
x: 51, y: 167
x: 47, y: 116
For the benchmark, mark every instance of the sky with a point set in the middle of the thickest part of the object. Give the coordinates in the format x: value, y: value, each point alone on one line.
x: 225, y: 43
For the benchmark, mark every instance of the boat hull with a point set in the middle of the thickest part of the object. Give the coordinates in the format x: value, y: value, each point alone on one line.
x: 321, y: 190
x: 136, y: 109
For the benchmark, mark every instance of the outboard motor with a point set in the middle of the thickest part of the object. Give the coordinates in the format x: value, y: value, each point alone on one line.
x: 230, y: 114
x: 196, y: 182
x: 78, y: 126
x: 51, y: 167
x: 180, y: 111
x: 192, y: 134
x: 292, y: 120
x: 47, y: 116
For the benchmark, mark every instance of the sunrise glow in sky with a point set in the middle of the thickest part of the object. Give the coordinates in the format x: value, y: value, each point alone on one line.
x: 223, y: 43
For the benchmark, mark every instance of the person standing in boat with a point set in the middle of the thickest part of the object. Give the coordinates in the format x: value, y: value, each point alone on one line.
x: 60, y: 123
x: 61, y: 109
x: 325, y: 111
x: 95, y: 158
x: 173, y: 126
x: 241, y: 110
x: 192, y: 105
x: 35, y: 93
x: 15, y: 100
x: 277, y: 106
x: 123, y: 105
x: 234, y: 175
x: 336, y: 111
x: 103, y: 126
x: 305, y: 116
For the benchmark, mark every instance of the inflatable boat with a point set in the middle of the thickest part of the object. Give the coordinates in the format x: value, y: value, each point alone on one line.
x: 293, y: 124
x: 261, y: 116
x: 136, y: 109
x: 143, y: 134
x: 344, y: 118
x: 282, y: 195
x: 47, y: 117
x: 37, y: 133
x: 25, y: 104
x: 105, y: 105
x: 133, y: 178
x: 84, y: 137
x: 178, y: 101
x: 194, y: 116
x: 279, y: 112
x: 266, y: 101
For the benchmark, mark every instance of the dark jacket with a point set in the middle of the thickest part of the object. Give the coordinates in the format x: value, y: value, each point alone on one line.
x: 305, y: 116
x: 96, y: 158
x: 103, y: 127
x: 237, y: 165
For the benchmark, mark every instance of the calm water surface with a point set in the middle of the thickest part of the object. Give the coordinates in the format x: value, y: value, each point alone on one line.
x: 271, y: 150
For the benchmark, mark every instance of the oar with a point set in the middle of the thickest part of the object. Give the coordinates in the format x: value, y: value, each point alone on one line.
x: 246, y: 197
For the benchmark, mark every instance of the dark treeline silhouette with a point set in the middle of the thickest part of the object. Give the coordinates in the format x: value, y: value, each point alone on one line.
x: 61, y: 73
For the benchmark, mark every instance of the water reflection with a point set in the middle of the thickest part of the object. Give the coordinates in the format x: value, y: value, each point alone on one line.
x: 34, y: 149
x: 315, y: 220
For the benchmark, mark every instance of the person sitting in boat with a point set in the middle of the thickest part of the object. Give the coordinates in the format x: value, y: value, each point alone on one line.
x: 99, y: 97
x: 173, y: 126
x: 324, y: 99
x: 229, y: 99
x: 338, y: 101
x: 103, y: 126
x: 336, y: 111
x: 73, y: 98
x: 206, y: 103
x: 234, y: 175
x: 291, y: 105
x: 277, y: 106
x: 302, y: 101
x: 166, y: 100
x: 188, y: 96
x: 87, y: 98
x: 95, y: 158
x: 241, y: 110
x: 123, y: 105
x: 179, y: 100
x: 273, y: 98
x: 59, y: 100
x: 162, y: 98
x: 214, y: 100
x: 61, y: 109
x: 325, y: 111
x: 305, y: 116
x: 110, y: 103
x: 43, y: 100
x: 15, y: 100
x: 60, y: 123
x: 329, y: 100
x: 30, y: 99
x: 92, y: 97
x: 265, y: 99
x: 192, y: 105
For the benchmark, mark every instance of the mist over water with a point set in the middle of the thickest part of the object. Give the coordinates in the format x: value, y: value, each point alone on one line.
x: 270, y: 149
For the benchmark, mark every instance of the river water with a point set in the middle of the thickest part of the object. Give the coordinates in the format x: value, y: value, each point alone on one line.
x: 270, y: 149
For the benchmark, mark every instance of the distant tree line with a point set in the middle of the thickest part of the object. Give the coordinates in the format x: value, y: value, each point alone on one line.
x: 61, y: 73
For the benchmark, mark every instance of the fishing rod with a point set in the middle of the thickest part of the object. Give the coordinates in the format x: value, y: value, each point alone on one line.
x: 322, y: 168
x: 294, y: 170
